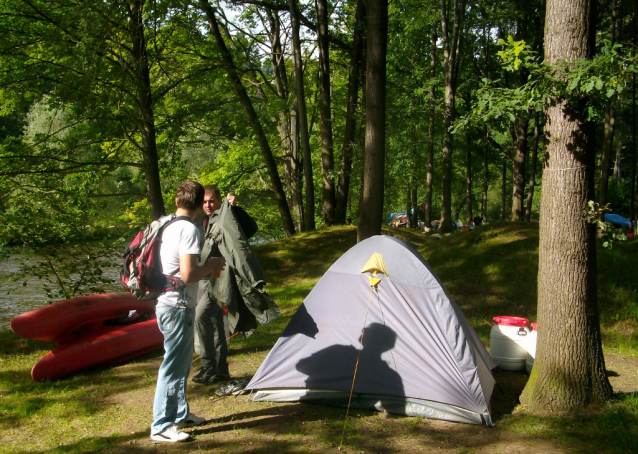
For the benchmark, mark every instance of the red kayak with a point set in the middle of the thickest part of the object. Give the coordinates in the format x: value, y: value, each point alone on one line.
x: 113, y: 345
x: 92, y: 331
x: 68, y: 320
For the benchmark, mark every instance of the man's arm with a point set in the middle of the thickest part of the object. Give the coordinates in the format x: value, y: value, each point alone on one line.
x: 190, y: 272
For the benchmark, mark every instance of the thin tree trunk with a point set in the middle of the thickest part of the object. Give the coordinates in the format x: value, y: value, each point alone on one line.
x: 145, y: 103
x: 327, y: 147
x: 408, y: 202
x: 450, y: 47
x: 343, y: 188
x: 430, y: 151
x: 569, y: 369
x: 468, y: 179
x: 415, y: 220
x: 486, y: 177
x: 619, y: 144
x: 503, y: 190
x: 634, y: 167
x: 253, y: 119
x: 518, y: 168
x: 297, y: 183
x: 532, y: 175
x: 309, y: 220
x: 371, y: 207
x: 608, y: 138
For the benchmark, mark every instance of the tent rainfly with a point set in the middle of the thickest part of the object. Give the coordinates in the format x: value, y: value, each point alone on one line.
x: 380, y: 312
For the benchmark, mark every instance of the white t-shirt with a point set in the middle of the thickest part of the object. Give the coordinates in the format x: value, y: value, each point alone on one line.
x: 180, y: 238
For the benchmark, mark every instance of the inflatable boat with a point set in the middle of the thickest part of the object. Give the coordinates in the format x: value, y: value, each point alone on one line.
x: 91, y: 331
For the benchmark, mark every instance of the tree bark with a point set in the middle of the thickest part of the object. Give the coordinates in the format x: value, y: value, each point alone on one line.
x: 634, y: 145
x: 532, y: 174
x: 486, y: 177
x: 430, y: 150
x: 569, y: 368
x: 468, y: 179
x: 309, y: 219
x: 371, y: 206
x: 325, y: 112
x: 343, y: 188
x: 503, y: 190
x: 608, y: 138
x: 518, y: 168
x: 450, y: 50
x: 253, y: 119
x: 145, y: 102
x: 408, y: 203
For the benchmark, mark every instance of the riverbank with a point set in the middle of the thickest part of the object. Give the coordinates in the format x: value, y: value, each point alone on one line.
x: 489, y: 271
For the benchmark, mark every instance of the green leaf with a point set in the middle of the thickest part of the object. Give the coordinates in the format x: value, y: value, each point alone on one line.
x: 610, y: 92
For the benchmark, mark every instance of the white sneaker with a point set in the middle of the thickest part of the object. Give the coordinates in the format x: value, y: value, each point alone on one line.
x: 171, y: 435
x: 191, y: 420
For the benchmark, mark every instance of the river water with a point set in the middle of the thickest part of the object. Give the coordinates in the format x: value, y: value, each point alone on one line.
x: 16, y: 298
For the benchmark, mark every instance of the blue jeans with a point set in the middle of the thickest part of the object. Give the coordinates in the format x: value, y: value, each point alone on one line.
x: 170, y: 406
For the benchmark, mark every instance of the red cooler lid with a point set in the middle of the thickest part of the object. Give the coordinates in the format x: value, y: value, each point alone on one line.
x: 507, y: 320
x: 534, y: 326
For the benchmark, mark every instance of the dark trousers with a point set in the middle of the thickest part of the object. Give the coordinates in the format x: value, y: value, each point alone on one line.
x: 209, y: 329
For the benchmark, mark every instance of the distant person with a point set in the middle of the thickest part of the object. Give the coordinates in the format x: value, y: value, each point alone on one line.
x: 348, y: 221
x: 175, y: 311
x: 478, y: 221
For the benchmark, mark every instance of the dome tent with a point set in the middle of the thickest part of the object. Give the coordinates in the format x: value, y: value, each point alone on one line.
x: 380, y: 309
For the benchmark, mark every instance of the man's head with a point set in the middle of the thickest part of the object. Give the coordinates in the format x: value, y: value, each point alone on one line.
x: 212, y: 199
x: 190, y: 195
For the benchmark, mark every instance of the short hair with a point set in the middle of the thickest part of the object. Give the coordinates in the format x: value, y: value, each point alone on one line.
x: 190, y: 195
x: 210, y: 189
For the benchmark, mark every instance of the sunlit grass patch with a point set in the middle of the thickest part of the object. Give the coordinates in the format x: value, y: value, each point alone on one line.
x: 612, y: 429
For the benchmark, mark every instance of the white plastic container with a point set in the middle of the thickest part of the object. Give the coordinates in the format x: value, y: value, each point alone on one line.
x: 531, y: 348
x: 508, y: 342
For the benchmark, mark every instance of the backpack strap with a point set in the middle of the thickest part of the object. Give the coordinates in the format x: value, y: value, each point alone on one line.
x: 172, y: 283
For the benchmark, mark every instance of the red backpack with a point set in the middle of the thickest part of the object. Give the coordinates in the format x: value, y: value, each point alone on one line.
x: 142, y: 274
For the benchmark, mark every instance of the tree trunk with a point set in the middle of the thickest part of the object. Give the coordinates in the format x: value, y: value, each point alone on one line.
x: 608, y: 139
x: 503, y: 190
x: 296, y: 187
x: 569, y: 368
x: 309, y: 220
x: 371, y: 206
x: 415, y: 220
x: 450, y: 48
x: 343, y: 188
x: 518, y: 168
x: 145, y: 102
x: 327, y: 151
x: 253, y: 119
x: 532, y: 174
x: 468, y: 179
x: 634, y: 145
x: 486, y: 177
x: 408, y: 202
x: 430, y: 151
x: 619, y: 144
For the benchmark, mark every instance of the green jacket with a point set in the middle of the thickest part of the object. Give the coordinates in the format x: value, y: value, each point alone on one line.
x: 241, y: 284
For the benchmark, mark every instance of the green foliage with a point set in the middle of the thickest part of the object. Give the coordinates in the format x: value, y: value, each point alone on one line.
x: 606, y: 230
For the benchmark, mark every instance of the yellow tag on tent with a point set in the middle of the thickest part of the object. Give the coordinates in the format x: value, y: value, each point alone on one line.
x: 375, y: 265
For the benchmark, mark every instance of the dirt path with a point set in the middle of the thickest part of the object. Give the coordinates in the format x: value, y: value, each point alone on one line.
x: 237, y: 426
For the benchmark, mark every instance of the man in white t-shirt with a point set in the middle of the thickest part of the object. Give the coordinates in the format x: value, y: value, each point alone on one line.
x: 175, y: 311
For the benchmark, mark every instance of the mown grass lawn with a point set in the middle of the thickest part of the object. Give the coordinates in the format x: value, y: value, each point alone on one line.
x: 489, y: 271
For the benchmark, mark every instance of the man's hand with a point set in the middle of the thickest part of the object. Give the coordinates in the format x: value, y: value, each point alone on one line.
x: 231, y: 199
x: 215, y: 264
x: 189, y: 271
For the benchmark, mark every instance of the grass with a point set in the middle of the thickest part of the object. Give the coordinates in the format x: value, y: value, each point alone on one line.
x: 488, y: 271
